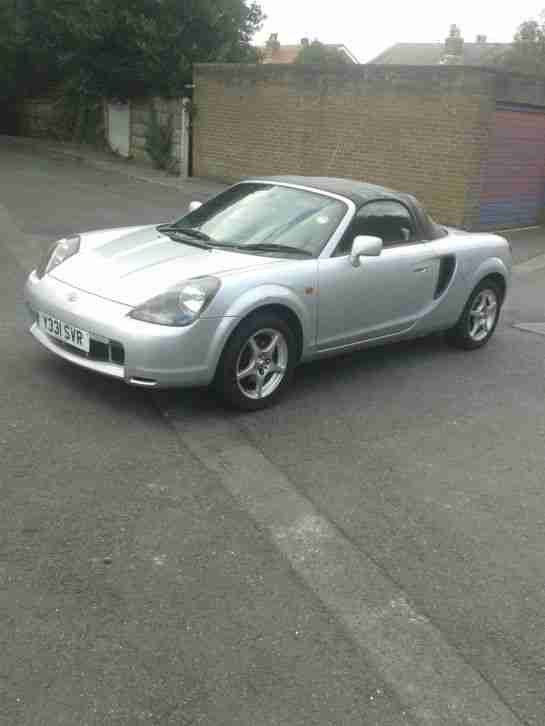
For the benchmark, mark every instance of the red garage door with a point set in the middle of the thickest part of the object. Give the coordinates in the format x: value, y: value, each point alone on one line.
x: 513, y: 178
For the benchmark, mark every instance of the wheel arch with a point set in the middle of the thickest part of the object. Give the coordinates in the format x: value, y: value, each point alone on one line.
x: 287, y: 314
x: 499, y: 280
x: 276, y: 308
x: 265, y: 314
x: 492, y: 269
x: 276, y: 301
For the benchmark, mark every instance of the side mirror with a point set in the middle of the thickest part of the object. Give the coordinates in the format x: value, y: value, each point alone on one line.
x: 364, y: 246
x: 194, y: 205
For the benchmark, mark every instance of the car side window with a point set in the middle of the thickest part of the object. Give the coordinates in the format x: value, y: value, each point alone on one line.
x: 389, y: 220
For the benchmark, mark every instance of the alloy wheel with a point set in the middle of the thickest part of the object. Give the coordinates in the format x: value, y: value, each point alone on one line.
x: 482, y: 315
x: 262, y: 363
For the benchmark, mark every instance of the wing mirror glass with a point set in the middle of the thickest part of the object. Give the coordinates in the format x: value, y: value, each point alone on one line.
x: 364, y: 246
x: 194, y: 205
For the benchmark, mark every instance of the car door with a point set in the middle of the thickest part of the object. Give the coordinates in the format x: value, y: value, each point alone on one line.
x: 384, y: 295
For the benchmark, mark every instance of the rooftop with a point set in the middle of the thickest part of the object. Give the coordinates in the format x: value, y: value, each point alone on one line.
x: 453, y: 51
x: 275, y: 52
x: 430, y: 54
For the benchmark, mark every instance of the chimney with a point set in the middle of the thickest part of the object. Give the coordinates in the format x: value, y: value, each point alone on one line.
x: 454, y: 44
x: 481, y: 39
x: 273, y: 44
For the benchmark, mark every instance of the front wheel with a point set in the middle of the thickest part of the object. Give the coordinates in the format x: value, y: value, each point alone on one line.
x: 257, y: 363
x: 479, y: 318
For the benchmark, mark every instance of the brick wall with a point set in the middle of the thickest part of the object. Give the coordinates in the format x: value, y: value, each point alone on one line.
x: 422, y: 130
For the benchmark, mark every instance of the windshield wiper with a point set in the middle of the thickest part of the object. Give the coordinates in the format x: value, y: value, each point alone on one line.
x: 180, y: 235
x: 188, y: 231
x: 177, y: 237
x: 270, y: 247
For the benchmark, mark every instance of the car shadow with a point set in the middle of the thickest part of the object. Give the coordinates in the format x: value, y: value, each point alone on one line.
x: 328, y: 376
x: 316, y: 377
x: 372, y: 359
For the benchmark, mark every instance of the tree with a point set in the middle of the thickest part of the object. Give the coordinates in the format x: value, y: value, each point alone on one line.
x: 124, y: 48
x: 8, y: 50
x: 321, y: 54
x: 527, y: 53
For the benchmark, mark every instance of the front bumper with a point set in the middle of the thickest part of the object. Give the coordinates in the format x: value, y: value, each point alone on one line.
x: 155, y: 356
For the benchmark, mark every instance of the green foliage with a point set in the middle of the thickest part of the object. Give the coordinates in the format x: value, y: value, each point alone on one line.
x: 82, y: 117
x: 11, y: 42
x: 159, y: 141
x: 120, y: 48
x: 527, y: 53
x: 320, y: 54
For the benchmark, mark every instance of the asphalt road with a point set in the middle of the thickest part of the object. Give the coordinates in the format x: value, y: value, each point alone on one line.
x: 371, y: 551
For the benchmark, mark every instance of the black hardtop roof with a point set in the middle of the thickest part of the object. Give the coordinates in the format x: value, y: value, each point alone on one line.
x: 362, y: 192
x: 357, y: 191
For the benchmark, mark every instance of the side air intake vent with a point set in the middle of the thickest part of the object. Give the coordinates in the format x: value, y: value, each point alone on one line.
x: 446, y: 270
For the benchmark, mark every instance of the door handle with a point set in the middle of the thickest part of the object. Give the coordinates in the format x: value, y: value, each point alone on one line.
x: 421, y: 269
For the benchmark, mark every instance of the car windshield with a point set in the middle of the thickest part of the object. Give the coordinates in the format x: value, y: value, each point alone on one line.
x: 267, y: 218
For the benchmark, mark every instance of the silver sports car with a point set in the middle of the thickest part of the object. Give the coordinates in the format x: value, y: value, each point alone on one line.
x: 269, y: 273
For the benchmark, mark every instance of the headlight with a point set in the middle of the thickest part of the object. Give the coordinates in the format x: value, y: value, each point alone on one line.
x: 57, y: 253
x: 181, y: 305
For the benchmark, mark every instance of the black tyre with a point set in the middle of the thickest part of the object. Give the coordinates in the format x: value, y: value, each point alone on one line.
x: 257, y: 363
x: 479, y: 317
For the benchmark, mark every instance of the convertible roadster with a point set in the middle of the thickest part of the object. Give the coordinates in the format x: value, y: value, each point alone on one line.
x: 269, y: 273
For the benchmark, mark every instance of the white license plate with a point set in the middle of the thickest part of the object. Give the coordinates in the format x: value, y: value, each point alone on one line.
x: 65, y: 332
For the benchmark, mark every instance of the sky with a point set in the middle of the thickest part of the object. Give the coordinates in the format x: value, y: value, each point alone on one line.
x: 369, y: 28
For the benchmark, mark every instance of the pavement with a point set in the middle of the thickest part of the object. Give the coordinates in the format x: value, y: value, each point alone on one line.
x: 109, y: 162
x: 369, y: 552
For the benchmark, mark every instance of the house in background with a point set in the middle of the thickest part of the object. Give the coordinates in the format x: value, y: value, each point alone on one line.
x: 454, y: 51
x: 274, y: 52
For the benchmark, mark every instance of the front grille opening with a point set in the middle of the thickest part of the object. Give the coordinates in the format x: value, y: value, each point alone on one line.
x: 117, y: 353
x: 112, y: 352
x: 99, y: 351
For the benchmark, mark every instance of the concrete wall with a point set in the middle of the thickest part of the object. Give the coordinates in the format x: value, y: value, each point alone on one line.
x: 123, y: 126
x: 50, y: 116
x: 519, y: 89
x: 42, y: 117
x: 422, y: 130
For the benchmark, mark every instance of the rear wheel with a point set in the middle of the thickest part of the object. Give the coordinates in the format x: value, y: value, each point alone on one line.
x: 257, y: 363
x: 479, y: 318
